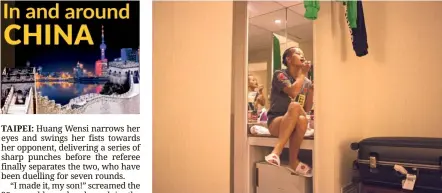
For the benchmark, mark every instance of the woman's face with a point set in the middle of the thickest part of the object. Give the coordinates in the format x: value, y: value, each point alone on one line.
x: 297, y: 58
x: 253, y: 82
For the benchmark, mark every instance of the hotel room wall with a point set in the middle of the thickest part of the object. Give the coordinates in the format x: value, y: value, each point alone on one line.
x: 393, y: 91
x: 259, y: 56
x: 307, y: 47
x: 192, y: 96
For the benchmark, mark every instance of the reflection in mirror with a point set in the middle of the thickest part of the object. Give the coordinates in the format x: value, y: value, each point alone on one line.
x: 265, y: 18
x: 274, y: 26
x: 280, y: 53
x: 260, y: 60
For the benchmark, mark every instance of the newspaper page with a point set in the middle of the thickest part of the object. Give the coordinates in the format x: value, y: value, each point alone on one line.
x: 64, y: 64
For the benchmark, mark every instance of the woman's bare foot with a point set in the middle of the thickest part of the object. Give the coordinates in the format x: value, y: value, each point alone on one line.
x: 273, y: 159
x: 294, y: 164
x: 301, y: 169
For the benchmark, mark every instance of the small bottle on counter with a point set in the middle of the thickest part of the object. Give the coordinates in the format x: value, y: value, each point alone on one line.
x: 254, y: 115
x: 250, y: 109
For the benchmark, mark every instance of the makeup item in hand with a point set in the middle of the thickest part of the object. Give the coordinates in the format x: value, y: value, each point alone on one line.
x: 251, y: 107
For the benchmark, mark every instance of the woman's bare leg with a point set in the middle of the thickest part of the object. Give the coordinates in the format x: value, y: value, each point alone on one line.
x: 296, y: 139
x: 286, y: 126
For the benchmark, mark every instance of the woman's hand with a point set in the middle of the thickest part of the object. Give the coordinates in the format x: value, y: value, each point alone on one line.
x: 306, y: 67
x: 260, y: 100
x: 260, y: 88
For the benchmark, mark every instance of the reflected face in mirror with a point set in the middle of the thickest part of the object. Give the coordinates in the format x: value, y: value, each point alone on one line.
x: 294, y: 57
x: 253, y: 83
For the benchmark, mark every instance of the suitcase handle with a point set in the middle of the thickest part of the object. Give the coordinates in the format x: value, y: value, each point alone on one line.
x: 398, y: 174
x: 354, y: 146
x: 355, y: 165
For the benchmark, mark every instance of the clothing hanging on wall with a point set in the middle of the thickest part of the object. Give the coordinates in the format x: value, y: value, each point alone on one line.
x: 351, y: 13
x: 355, y: 19
x: 276, y: 54
x: 357, y: 30
x: 311, y: 9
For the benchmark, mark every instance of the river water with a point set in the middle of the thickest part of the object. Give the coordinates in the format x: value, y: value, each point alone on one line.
x: 63, y: 92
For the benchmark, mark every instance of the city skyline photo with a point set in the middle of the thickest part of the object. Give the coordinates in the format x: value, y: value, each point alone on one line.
x: 118, y: 33
x: 70, y: 57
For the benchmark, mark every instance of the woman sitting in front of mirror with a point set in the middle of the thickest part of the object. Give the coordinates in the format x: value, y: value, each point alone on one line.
x: 255, y: 95
x: 291, y: 96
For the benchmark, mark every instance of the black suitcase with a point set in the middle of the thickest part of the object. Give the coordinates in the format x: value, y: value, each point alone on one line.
x: 379, y: 189
x: 422, y: 157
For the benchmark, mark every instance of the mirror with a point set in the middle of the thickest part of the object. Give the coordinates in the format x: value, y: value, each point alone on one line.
x: 273, y: 27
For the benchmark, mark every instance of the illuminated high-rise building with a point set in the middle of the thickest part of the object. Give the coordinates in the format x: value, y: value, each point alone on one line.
x: 128, y: 54
x: 39, y: 70
x: 101, y: 67
x: 102, y: 45
x: 78, y: 70
x: 104, y: 67
x: 98, y: 68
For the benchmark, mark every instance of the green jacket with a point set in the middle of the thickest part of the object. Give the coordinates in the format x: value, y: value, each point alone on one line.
x: 352, y: 12
x: 312, y: 8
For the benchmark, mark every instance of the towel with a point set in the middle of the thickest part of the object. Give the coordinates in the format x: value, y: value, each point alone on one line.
x: 309, y: 132
x: 259, y: 130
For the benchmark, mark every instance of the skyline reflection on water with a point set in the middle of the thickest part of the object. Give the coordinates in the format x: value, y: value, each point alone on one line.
x: 63, y: 92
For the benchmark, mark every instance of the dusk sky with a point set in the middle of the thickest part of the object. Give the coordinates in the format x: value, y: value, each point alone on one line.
x: 120, y: 33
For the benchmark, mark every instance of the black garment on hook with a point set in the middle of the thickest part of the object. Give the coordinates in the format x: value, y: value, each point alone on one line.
x: 359, y: 34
